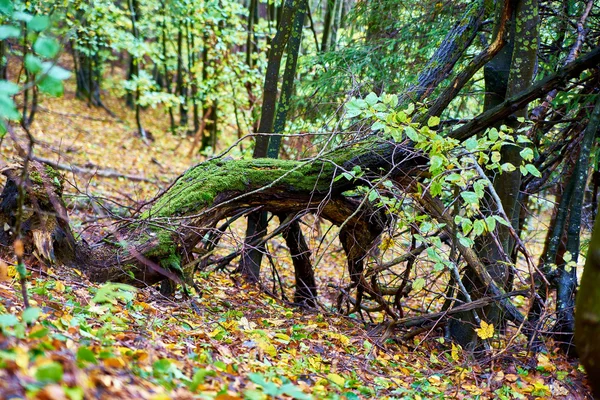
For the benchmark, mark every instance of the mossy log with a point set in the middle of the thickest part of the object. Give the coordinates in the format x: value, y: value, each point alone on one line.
x: 587, y: 314
x: 160, y: 240
x: 44, y: 220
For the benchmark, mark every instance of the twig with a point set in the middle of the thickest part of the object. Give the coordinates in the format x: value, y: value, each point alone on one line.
x: 104, y: 173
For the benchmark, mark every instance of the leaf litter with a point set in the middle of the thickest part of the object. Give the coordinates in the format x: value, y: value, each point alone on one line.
x: 84, y: 340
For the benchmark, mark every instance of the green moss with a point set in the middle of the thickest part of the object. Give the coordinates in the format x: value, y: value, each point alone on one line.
x: 171, y: 263
x: 166, y: 245
x: 36, y: 178
x: 52, y: 173
x: 198, y: 187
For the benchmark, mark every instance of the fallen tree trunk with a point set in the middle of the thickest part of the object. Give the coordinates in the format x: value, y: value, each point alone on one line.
x: 156, y: 245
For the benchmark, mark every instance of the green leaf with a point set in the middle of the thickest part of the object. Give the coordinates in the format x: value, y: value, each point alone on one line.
x: 38, y: 23
x: 9, y: 31
x: 8, y: 88
x: 8, y: 320
x: 55, y: 71
x: 508, y: 167
x: 31, y: 314
x: 51, y: 372
x: 400, y: 117
x: 373, y: 195
x: 501, y: 220
x: 467, y: 226
x: 418, y: 284
x: 426, y: 226
x: 478, y: 227
x: 46, y: 47
x: 6, y: 7
x: 355, y: 107
x: 294, y: 391
x: 465, y: 241
x: 87, y: 355
x: 378, y: 126
x: 436, y: 163
x: 527, y: 154
x: 433, y: 254
x: 491, y: 223
x: 372, y: 99
x: 33, y: 63
x: 433, y: 121
x: 493, y: 134
x: 73, y: 393
x: 351, y: 396
x: 523, y: 139
x: 38, y: 334
x: 269, y: 388
x: 8, y: 109
x: 436, y: 188
x: 533, y: 170
x: 567, y: 256
x: 22, y: 16
x: 470, y: 197
x: 392, y: 100
x: 412, y: 134
x: 471, y: 144
x: 111, y: 292
x: 199, y: 377
x: 51, y: 86
x: 523, y: 170
x: 454, y: 177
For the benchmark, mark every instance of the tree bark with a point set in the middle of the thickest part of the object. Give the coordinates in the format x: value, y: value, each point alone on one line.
x: 159, y: 242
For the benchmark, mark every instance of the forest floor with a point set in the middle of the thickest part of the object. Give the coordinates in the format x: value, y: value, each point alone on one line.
x: 232, y: 340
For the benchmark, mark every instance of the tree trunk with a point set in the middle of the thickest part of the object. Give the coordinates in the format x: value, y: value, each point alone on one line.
x: 257, y: 222
x: 587, y: 317
x: 159, y: 243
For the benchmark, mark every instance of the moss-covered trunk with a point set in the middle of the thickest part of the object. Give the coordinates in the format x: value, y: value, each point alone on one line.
x: 587, y: 316
x: 161, y: 239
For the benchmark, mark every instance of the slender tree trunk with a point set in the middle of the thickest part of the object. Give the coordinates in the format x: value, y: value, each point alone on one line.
x: 191, y: 48
x: 3, y: 61
x: 587, y: 328
x: 287, y: 86
x: 257, y: 222
x: 134, y: 10
x: 327, y: 21
x: 251, y: 38
x: 183, y: 116
x: 25, y: 119
x: 133, y: 71
x: 165, y: 62
x: 567, y: 278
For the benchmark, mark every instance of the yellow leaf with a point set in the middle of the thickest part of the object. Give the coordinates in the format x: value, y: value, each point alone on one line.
x: 267, y: 347
x: 474, y: 390
x: 59, y: 286
x: 486, y: 330
x: 545, y: 363
x: 11, y: 271
x: 161, y: 396
x: 454, y: 352
x: 386, y: 243
x: 115, y: 362
x: 337, y: 379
